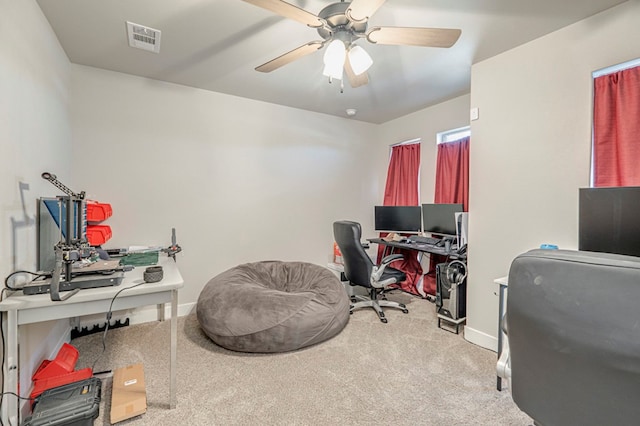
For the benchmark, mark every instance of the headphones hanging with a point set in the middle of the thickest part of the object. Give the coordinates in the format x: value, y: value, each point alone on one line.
x: 456, y: 272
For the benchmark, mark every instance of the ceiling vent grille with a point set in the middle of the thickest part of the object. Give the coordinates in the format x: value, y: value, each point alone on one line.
x: 142, y: 37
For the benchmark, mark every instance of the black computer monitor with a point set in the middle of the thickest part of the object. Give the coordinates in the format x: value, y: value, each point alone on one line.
x: 397, y: 218
x: 440, y: 218
x: 609, y: 220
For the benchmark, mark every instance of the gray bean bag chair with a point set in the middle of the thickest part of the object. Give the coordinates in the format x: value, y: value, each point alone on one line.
x: 273, y: 306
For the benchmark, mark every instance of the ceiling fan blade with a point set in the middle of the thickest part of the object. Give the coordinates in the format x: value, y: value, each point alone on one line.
x: 361, y: 10
x: 427, y: 37
x: 355, y: 80
x: 290, y: 11
x: 291, y: 56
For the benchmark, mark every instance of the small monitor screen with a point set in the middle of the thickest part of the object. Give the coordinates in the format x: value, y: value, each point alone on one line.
x: 609, y: 220
x: 397, y: 218
x: 440, y: 218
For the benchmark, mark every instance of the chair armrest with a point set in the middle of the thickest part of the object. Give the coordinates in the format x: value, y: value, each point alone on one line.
x: 377, y: 271
x: 391, y: 258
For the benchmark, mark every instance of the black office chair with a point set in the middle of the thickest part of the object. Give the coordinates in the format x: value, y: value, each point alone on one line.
x: 360, y: 270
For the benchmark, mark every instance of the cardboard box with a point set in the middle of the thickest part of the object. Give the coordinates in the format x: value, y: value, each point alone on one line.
x: 129, y: 396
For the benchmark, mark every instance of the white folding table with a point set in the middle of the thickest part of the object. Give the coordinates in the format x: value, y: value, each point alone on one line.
x: 18, y: 310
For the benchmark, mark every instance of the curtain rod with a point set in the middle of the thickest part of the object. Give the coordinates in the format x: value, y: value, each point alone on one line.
x: 407, y: 142
x: 616, y: 68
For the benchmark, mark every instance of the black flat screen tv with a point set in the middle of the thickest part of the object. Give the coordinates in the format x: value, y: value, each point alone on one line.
x: 440, y: 218
x: 609, y: 220
x: 397, y: 218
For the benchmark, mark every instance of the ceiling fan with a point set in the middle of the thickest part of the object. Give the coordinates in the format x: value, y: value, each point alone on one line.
x: 341, y: 25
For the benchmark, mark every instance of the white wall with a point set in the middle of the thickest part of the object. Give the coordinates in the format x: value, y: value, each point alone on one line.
x: 35, y: 137
x: 240, y: 180
x: 530, y: 148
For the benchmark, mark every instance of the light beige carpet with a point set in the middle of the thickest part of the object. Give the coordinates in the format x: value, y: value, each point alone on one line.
x: 405, y: 372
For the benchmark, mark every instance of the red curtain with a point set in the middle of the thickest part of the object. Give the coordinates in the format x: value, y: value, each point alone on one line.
x: 452, y: 186
x: 402, y: 190
x: 616, y: 129
x: 452, y: 173
x: 402, y: 178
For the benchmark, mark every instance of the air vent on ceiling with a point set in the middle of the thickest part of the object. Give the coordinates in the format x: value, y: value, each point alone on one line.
x: 142, y: 37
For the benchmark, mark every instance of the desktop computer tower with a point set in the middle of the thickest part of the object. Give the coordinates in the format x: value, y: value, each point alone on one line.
x: 462, y: 228
x: 451, y: 292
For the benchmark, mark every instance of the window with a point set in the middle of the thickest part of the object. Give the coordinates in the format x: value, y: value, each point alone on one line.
x: 453, y: 134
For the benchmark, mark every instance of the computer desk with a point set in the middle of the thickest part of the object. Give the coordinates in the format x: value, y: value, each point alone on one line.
x: 18, y: 310
x: 419, y: 247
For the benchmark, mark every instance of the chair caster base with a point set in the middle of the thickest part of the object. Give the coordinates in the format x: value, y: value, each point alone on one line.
x: 377, y: 305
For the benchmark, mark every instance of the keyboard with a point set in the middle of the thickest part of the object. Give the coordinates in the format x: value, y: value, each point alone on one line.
x: 424, y: 240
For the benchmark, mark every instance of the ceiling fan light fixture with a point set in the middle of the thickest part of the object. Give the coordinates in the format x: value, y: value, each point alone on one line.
x: 342, y: 23
x: 332, y: 73
x: 334, y: 58
x: 359, y: 59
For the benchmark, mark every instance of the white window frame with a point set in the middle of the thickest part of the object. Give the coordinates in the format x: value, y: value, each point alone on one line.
x: 453, y: 135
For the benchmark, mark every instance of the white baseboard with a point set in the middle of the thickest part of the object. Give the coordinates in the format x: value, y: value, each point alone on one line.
x: 480, y: 338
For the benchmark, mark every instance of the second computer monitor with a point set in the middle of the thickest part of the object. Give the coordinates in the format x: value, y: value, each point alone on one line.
x: 440, y: 218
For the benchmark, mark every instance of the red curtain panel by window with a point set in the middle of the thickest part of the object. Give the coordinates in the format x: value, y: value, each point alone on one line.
x: 402, y: 190
x: 452, y: 173
x: 616, y: 129
x: 452, y: 186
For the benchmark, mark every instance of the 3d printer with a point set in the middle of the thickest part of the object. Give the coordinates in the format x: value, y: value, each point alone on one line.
x: 67, y: 217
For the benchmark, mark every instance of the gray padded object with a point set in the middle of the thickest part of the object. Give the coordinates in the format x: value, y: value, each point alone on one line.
x: 574, y: 337
x: 273, y: 306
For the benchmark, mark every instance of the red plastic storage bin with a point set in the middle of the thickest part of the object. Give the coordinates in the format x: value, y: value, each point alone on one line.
x: 42, y: 385
x: 98, y: 234
x: 97, y: 212
x: 63, y: 363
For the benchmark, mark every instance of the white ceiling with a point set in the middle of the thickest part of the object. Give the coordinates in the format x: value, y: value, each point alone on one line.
x: 216, y: 44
